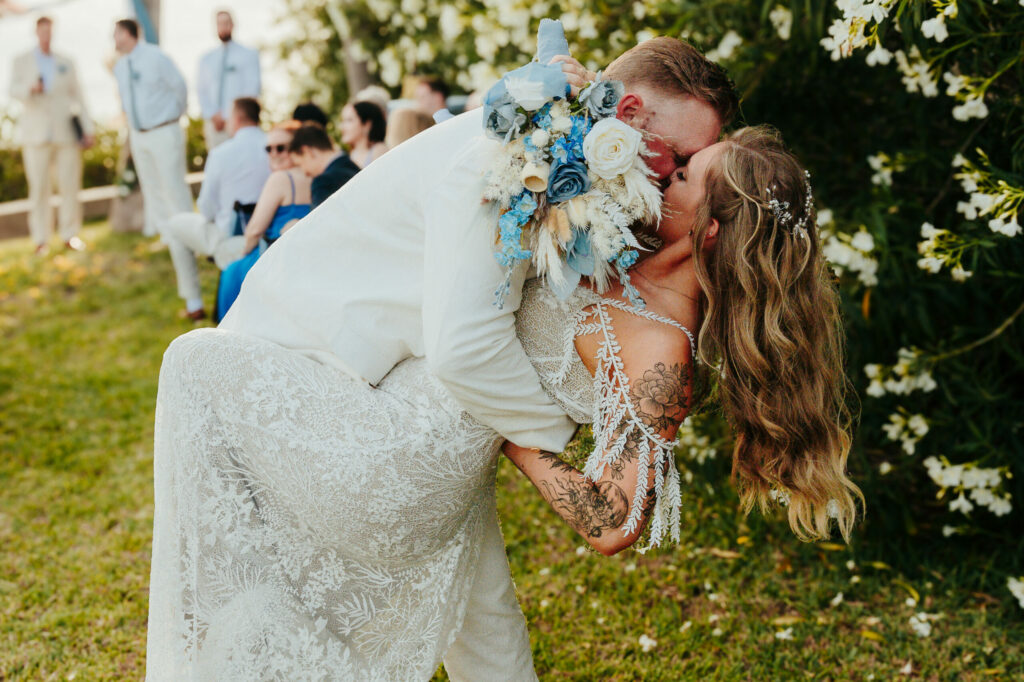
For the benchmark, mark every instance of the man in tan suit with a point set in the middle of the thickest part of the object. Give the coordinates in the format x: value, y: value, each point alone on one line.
x: 47, y: 85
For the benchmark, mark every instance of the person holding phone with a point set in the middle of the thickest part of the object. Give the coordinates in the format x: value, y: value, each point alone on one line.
x: 54, y: 127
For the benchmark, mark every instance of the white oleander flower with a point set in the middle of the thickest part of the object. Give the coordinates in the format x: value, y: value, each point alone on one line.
x: 955, y: 84
x: 920, y: 625
x: 959, y: 274
x: 1016, y: 585
x: 647, y: 643
x: 961, y: 504
x: 610, y: 148
x: 935, y: 28
x: 973, y: 107
x: 879, y: 55
x: 782, y: 19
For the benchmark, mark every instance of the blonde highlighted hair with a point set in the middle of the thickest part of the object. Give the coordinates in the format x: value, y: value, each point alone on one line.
x: 771, y: 317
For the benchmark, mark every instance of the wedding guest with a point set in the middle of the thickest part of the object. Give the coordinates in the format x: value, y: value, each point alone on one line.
x: 53, y: 127
x: 475, y: 100
x: 363, y: 128
x: 286, y: 198
x: 153, y: 97
x: 432, y: 98
x: 307, y: 112
x: 405, y: 123
x: 313, y: 152
x: 235, y: 173
x: 375, y: 94
x: 225, y: 74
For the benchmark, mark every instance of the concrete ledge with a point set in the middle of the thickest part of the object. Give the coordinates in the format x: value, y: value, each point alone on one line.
x: 96, y: 202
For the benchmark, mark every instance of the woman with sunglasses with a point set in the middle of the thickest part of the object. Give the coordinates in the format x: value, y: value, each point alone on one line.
x: 286, y: 197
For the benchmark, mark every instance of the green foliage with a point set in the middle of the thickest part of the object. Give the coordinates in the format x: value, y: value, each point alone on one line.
x: 83, y: 338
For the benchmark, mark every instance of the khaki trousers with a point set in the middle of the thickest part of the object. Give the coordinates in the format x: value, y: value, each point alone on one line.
x: 189, y: 235
x: 39, y: 160
x: 159, y: 157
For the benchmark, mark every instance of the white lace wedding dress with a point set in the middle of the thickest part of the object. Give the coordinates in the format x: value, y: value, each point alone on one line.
x: 310, y: 527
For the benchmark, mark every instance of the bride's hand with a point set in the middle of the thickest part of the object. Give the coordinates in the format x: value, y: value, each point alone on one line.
x: 577, y: 74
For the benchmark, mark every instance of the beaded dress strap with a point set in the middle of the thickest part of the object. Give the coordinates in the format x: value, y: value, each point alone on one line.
x: 647, y: 314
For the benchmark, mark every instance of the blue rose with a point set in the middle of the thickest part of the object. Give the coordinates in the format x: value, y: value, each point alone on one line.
x: 502, y: 118
x: 602, y: 97
x: 578, y: 254
x: 567, y: 180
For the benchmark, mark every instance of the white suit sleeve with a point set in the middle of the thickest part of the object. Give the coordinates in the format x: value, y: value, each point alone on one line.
x: 470, y: 344
x: 21, y: 84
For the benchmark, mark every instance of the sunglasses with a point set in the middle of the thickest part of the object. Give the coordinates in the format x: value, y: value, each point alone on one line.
x: 279, y: 148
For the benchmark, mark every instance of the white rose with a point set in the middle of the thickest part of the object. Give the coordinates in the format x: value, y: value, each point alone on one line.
x: 610, y: 148
x: 527, y: 93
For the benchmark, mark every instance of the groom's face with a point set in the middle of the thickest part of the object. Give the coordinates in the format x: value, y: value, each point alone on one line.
x: 679, y: 127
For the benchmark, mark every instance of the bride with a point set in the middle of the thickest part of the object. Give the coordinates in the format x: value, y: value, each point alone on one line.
x: 308, y: 526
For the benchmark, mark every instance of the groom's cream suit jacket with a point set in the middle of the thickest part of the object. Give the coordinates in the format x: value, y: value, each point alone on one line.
x: 46, y: 117
x: 397, y: 264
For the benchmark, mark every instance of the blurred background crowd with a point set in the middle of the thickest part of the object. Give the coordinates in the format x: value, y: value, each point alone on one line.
x: 259, y: 177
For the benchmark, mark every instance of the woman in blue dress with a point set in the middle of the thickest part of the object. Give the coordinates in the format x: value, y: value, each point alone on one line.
x: 284, y: 200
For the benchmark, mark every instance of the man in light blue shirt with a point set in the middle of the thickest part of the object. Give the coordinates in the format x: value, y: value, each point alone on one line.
x: 225, y: 74
x: 153, y: 97
x: 235, y: 172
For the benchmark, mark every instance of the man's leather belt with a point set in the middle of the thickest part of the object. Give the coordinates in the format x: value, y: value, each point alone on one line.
x: 159, y: 125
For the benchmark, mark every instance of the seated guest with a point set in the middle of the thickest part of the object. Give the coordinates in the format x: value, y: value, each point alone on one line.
x: 307, y: 112
x: 404, y: 123
x: 375, y: 94
x: 363, y: 128
x: 284, y: 200
x: 432, y: 98
x: 313, y: 152
x: 235, y: 171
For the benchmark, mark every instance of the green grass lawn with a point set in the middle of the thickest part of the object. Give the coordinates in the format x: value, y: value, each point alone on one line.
x: 81, y: 337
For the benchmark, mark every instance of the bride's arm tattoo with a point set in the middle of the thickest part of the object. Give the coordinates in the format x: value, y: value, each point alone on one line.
x: 659, y: 398
x: 593, y: 509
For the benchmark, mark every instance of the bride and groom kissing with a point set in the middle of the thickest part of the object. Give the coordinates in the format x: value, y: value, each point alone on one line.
x: 325, y: 459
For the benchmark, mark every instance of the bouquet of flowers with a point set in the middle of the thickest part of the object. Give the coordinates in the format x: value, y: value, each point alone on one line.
x: 570, y: 180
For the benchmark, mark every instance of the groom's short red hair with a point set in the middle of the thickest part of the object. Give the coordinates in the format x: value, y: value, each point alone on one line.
x: 676, y: 67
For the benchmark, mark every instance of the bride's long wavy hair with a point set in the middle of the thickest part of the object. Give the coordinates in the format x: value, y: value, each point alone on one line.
x: 771, y: 323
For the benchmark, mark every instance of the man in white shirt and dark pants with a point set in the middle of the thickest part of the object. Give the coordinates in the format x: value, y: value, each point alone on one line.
x: 47, y: 86
x: 153, y: 96
x: 225, y: 74
x: 235, y: 172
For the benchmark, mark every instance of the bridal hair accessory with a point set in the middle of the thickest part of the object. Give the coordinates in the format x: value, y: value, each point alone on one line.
x: 780, y: 209
x: 569, y: 179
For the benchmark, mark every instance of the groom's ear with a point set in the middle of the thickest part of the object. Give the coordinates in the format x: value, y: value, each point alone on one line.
x: 629, y: 107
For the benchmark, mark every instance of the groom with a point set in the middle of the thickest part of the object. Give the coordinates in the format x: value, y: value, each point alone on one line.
x: 398, y: 263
